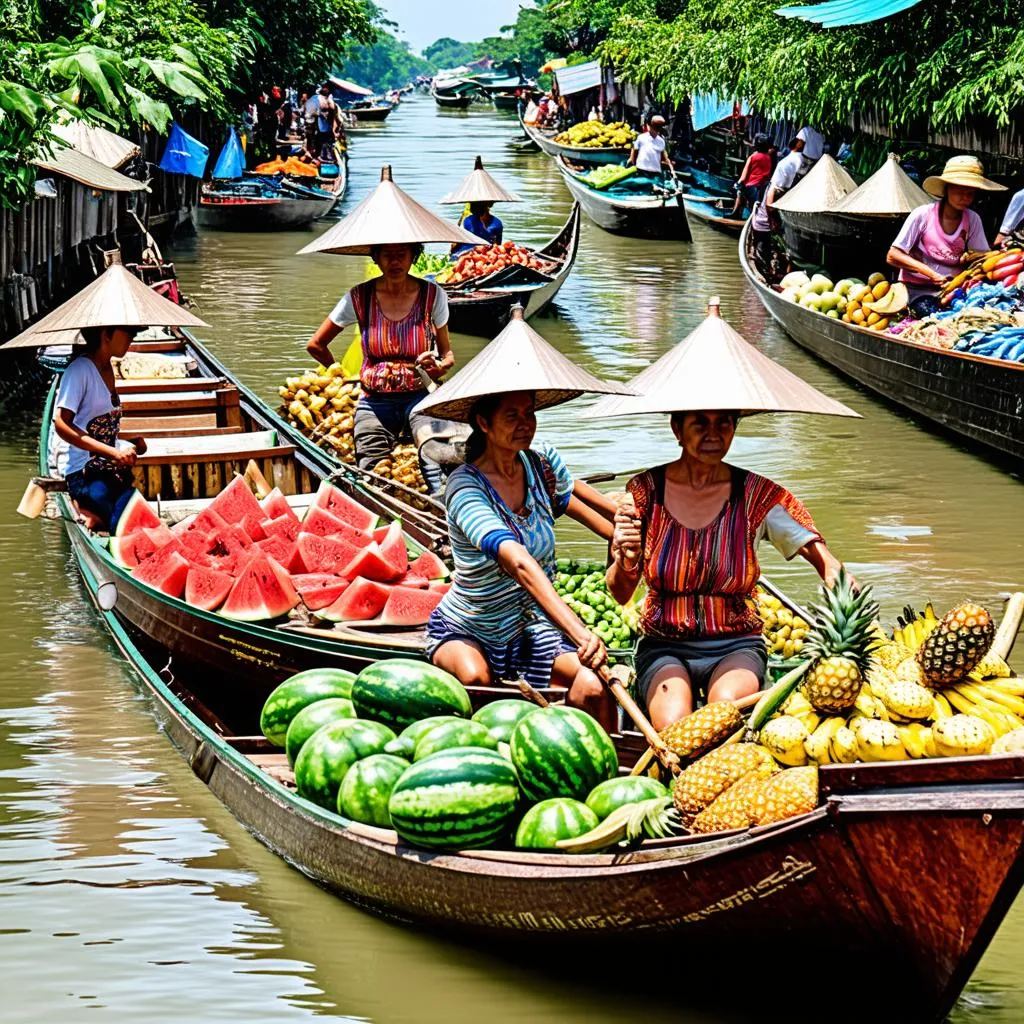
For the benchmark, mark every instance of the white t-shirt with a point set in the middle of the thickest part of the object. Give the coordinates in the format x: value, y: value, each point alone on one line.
x: 84, y: 393
x: 648, y: 151
x: 814, y: 144
x: 786, y: 171
x: 344, y: 313
x: 1014, y: 214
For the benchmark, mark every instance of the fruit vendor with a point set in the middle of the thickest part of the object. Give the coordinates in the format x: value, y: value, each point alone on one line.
x: 1013, y: 222
x: 87, y: 416
x: 403, y: 326
x: 482, y: 223
x: 936, y: 237
x: 649, y: 153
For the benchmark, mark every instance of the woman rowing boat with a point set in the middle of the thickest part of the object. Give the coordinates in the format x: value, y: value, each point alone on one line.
x: 692, y: 536
x: 480, y: 191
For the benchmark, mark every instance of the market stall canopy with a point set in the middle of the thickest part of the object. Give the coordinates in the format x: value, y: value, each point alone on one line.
x: 889, y: 192
x: 479, y: 187
x: 109, y: 149
x: 69, y: 162
x: 553, y: 65
x: 117, y: 298
x: 707, y: 109
x: 345, y: 86
x: 518, y: 359
x: 578, y: 77
x: 387, y: 216
x: 842, y: 13
x: 714, y: 368
x: 819, y: 190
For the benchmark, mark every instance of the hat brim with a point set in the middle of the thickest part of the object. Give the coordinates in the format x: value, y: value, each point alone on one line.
x: 936, y: 184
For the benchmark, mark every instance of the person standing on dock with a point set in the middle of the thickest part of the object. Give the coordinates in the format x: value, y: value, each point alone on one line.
x: 753, y: 179
x: 649, y: 152
x: 1013, y: 222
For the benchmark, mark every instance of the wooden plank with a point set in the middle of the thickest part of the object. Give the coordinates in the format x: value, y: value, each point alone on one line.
x: 177, y: 477
x: 282, y: 472
x: 194, y: 478
x: 167, y: 404
x: 217, y: 444
x: 168, y: 345
x: 212, y: 479
x: 236, y: 462
x: 151, y: 386
x: 154, y: 481
x: 199, y: 423
x: 176, y: 431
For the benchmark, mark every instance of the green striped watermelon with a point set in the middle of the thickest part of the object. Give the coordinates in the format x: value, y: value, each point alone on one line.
x: 500, y: 716
x: 405, y: 744
x: 329, y: 753
x: 299, y: 691
x: 459, y: 799
x: 366, y: 789
x: 611, y: 794
x: 400, y: 691
x: 561, y: 751
x: 459, y: 733
x: 312, y: 718
x: 544, y: 824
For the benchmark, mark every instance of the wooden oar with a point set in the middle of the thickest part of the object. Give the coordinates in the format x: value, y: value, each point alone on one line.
x: 33, y: 501
x: 656, y: 744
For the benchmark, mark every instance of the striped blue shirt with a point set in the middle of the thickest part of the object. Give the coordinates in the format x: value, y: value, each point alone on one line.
x: 484, y: 600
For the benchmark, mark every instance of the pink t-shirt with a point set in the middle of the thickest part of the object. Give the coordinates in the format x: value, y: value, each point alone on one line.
x: 923, y: 238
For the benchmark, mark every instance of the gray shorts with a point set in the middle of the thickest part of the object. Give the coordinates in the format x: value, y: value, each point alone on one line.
x: 700, y: 658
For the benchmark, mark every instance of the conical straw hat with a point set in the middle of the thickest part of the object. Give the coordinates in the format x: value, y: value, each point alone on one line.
x: 715, y: 369
x: 518, y: 359
x: 117, y: 298
x: 819, y: 191
x: 479, y: 187
x: 387, y: 216
x: 889, y: 192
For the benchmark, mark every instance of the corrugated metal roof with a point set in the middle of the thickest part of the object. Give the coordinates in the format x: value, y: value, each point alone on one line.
x: 346, y: 86
x: 578, y: 78
x: 79, y: 167
x: 841, y: 13
x: 97, y: 142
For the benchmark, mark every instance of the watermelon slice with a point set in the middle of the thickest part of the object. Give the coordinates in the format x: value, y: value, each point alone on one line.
x: 284, y: 551
x: 197, y: 545
x: 441, y: 586
x: 381, y: 532
x: 370, y: 564
x: 208, y: 521
x: 394, y: 551
x: 282, y: 526
x: 136, y: 547
x: 206, y: 589
x: 237, y: 504
x: 166, y: 571
x: 429, y: 566
x: 410, y: 579
x: 318, y: 590
x: 234, y: 539
x: 261, y: 591
x: 407, y: 606
x: 231, y: 565
x: 340, y: 505
x: 136, y: 514
x: 275, y: 506
x: 364, y: 599
x: 323, y: 524
x: 325, y: 554
x: 182, y: 527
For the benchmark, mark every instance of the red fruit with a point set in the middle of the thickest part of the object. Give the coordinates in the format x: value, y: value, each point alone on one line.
x: 275, y: 505
x: 237, y: 504
x: 282, y: 526
x: 284, y: 551
x: 429, y: 566
x: 325, y: 554
x: 371, y: 564
x: 363, y: 600
x: 334, y: 500
x: 407, y: 606
x: 319, y: 590
x: 166, y: 571
x: 393, y: 550
x: 261, y: 591
x: 206, y: 588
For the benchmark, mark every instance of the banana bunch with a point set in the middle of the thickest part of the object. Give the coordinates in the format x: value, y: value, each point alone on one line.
x: 403, y: 465
x: 784, y: 631
x: 913, y: 627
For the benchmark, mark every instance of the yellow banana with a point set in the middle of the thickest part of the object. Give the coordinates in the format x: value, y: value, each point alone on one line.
x: 899, y: 637
x: 914, y: 739
x: 843, y: 748
x: 929, y: 614
x: 1015, y: 705
x: 942, y: 706
x: 810, y: 719
x: 818, y: 744
x: 995, y: 718
x: 1013, y: 685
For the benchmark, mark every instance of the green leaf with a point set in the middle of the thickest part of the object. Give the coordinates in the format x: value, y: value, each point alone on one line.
x: 18, y: 99
x: 146, y: 108
x: 179, y: 78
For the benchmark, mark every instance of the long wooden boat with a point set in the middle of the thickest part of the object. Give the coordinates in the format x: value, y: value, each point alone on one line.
x: 484, y: 309
x: 906, y: 870
x: 370, y: 111
x: 715, y: 211
x: 658, y: 213
x: 838, y: 243
x: 505, y: 100
x: 545, y: 141
x: 453, y: 101
x: 230, y: 211
x: 980, y: 400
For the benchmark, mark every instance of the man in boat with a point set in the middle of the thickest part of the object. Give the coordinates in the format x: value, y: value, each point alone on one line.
x: 649, y: 152
x: 813, y: 147
x: 310, y: 109
x: 327, y: 119
x: 764, y: 220
x: 1013, y: 222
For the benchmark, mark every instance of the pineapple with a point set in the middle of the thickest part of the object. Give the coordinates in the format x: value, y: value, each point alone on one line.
x: 1010, y: 743
x: 705, y: 728
x: 705, y: 780
x: 962, y: 736
x: 792, y: 792
x: 841, y: 645
x: 735, y: 807
x: 891, y: 654
x: 956, y: 645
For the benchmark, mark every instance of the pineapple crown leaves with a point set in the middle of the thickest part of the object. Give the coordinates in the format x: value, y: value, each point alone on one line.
x: 843, y: 622
x: 656, y: 818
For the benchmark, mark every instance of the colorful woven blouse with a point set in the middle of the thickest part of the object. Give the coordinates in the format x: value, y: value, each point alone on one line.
x: 700, y: 583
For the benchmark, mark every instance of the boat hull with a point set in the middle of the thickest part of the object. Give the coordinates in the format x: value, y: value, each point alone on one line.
x: 546, y: 143
x: 712, y: 217
x: 841, y: 245
x: 980, y: 400
x: 371, y: 113
x: 262, y: 214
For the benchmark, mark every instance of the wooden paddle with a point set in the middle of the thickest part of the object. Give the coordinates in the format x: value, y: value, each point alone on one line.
x: 33, y: 501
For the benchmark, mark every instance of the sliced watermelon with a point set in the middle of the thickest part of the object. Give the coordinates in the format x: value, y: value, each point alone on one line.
x: 183, y: 526
x: 325, y: 554
x: 261, y: 591
x: 394, y: 551
x: 363, y: 599
x: 282, y: 526
x: 197, y: 545
x: 318, y: 590
x: 229, y: 564
x: 275, y: 506
x: 208, y: 521
x: 407, y: 606
x: 381, y: 532
x: 339, y: 504
x: 321, y: 522
x: 370, y: 564
x: 237, y: 503
x: 136, y: 547
x: 412, y: 580
x: 429, y: 566
x: 284, y: 551
x: 167, y: 570
x: 232, y: 540
x: 137, y: 513
x: 206, y: 589
x: 441, y: 586
x: 253, y: 526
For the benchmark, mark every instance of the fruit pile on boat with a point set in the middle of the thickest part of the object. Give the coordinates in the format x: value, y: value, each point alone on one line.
x: 257, y: 560
x: 1002, y: 267
x: 873, y: 304
x: 483, y: 260
x: 784, y: 630
x: 581, y: 584
x: 595, y: 135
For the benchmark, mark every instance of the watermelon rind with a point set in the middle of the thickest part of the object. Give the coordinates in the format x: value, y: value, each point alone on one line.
x: 560, y: 751
x: 404, y: 745
x: 361, y: 600
x: 612, y: 794
x: 366, y: 789
x: 462, y: 798
x: 400, y: 691
x: 459, y: 733
x: 136, y: 514
x: 329, y: 753
x: 429, y: 566
x: 297, y: 692
x: 312, y: 718
x: 546, y: 823
x: 500, y: 716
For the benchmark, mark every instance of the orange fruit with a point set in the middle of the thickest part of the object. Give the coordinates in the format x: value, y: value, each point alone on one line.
x: 880, y: 290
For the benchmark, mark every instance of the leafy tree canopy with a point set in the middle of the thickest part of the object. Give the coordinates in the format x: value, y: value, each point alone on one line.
x: 386, y: 64
x: 450, y: 53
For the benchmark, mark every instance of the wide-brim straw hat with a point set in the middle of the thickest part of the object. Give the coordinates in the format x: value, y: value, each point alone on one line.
x: 479, y: 187
x: 518, y: 359
x: 819, y: 190
x: 387, y: 216
x: 715, y: 369
x: 117, y: 298
x: 961, y: 170
x: 889, y: 192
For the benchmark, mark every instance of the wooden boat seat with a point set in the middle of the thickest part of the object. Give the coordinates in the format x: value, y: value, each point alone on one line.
x: 160, y: 385
x: 158, y: 345
x: 218, y: 406
x: 207, y: 429
x: 205, y: 447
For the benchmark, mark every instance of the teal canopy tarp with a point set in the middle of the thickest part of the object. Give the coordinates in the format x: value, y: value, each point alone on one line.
x: 708, y: 109
x: 840, y: 13
x: 231, y: 162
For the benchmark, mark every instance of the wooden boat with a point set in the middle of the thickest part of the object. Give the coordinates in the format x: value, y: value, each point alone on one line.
x: 370, y: 110
x: 713, y: 210
x: 483, y: 309
x: 841, y: 244
x: 545, y: 141
x: 505, y: 100
x: 453, y: 101
x: 973, y: 397
x: 640, y: 210
x: 231, y: 210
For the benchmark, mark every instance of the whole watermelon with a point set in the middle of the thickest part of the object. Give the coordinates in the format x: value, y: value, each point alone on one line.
x: 544, y: 824
x: 608, y: 796
x: 328, y: 754
x: 366, y: 789
x: 461, y: 798
x: 561, y: 751
x: 297, y: 692
x: 313, y: 717
x: 404, y: 745
x: 459, y: 733
x: 400, y: 691
x: 500, y: 716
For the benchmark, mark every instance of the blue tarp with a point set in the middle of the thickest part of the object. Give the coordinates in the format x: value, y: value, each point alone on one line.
x: 578, y: 78
x: 840, y: 13
x: 708, y: 109
x: 231, y: 162
x: 183, y: 154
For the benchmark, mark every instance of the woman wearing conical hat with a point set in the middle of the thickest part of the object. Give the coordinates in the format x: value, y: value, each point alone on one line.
x: 479, y: 191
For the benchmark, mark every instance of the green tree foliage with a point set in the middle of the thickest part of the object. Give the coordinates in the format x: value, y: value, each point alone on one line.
x: 385, y: 64
x: 532, y: 39
x: 447, y: 53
